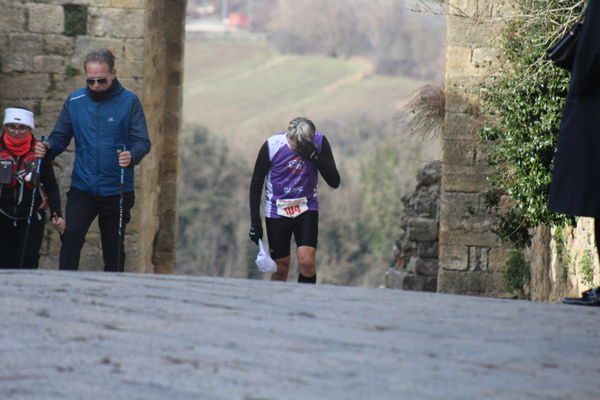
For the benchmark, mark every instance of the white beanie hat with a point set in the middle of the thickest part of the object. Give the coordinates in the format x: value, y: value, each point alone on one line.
x: 18, y: 116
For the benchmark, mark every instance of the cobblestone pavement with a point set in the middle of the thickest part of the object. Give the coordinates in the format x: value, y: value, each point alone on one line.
x: 89, y: 335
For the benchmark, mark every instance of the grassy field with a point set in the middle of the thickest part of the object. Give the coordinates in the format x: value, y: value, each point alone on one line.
x: 244, y: 91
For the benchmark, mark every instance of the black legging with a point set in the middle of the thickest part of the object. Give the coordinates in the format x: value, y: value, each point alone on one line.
x: 12, y: 239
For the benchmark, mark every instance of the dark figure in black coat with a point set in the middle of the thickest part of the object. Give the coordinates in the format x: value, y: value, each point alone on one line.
x: 575, y: 187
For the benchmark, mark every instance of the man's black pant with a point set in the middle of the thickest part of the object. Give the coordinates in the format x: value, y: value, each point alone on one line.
x: 81, y: 210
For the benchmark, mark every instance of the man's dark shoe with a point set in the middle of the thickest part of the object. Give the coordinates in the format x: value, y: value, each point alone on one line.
x: 588, y: 298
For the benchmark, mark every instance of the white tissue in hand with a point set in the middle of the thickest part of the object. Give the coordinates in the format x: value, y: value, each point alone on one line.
x: 264, y: 262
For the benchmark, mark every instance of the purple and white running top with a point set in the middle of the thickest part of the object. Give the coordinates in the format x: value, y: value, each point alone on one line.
x: 291, y: 184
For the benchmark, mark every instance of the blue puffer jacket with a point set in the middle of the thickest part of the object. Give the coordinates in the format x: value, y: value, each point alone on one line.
x: 100, y: 128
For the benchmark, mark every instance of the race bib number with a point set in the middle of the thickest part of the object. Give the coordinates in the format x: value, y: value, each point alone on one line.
x: 292, y: 207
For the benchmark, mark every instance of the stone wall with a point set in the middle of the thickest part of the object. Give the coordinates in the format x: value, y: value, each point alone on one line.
x: 416, y: 260
x: 471, y: 259
x: 42, y: 47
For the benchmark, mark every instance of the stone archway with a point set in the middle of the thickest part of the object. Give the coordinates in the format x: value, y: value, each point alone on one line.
x: 41, y: 47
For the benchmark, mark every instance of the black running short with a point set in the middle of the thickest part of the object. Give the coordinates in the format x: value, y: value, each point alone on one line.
x: 305, y: 228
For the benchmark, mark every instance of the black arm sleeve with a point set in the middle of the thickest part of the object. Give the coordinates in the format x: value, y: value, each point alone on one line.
x: 326, y: 165
x: 261, y: 168
x: 48, y: 179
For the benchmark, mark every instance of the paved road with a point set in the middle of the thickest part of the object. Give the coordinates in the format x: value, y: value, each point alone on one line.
x: 86, y: 335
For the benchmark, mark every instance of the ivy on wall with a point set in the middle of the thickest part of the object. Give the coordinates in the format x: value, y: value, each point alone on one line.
x: 523, y: 100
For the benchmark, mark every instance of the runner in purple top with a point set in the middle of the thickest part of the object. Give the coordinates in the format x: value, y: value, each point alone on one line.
x: 288, y: 165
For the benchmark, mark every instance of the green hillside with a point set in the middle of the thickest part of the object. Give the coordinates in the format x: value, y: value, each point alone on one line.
x: 244, y: 91
x: 236, y: 94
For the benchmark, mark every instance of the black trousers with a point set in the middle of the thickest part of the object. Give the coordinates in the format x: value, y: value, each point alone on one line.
x: 12, y: 240
x: 81, y: 210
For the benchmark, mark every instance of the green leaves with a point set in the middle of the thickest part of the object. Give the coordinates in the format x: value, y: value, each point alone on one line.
x: 525, y: 96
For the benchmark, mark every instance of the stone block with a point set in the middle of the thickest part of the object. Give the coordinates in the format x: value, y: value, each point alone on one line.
x: 461, y: 152
x: 117, y: 23
x: 422, y: 266
x: 21, y: 50
x: 476, y: 283
x: 463, y: 126
x: 454, y: 257
x: 4, y: 42
x: 395, y: 279
x: 136, y: 85
x: 59, y: 44
x: 459, y: 204
x: 459, y: 101
x: 428, y: 249
x: 130, y: 69
x: 462, y: 7
x: 458, y: 57
x: 24, y: 86
x: 12, y: 17
x: 498, y: 256
x: 134, y: 50
x: 128, y: 3
x: 47, y: 114
x: 83, y: 44
x: 472, y: 223
x: 461, y: 178
x: 484, y: 57
x: 46, y: 18
x: 478, y: 258
x: 467, y: 32
x: 422, y: 229
x: 465, y: 237
x: 51, y: 64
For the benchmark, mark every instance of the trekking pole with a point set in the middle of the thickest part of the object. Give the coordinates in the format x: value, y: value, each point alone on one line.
x: 120, y: 237
x: 36, y: 180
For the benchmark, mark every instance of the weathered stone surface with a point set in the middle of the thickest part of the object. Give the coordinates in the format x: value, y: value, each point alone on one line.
x: 478, y: 258
x: 22, y: 48
x: 462, y: 152
x: 74, y: 336
x: 134, y: 49
x: 402, y: 279
x: 128, y: 3
x: 36, y: 84
x: 415, y: 259
x: 12, y: 17
x: 83, y: 44
x: 466, y: 32
x: 50, y: 64
x: 46, y: 18
x: 463, y: 178
x: 454, y: 257
x: 422, y: 266
x: 477, y: 283
x: 458, y: 57
x: 468, y: 236
x: 461, y: 126
x: 422, y: 229
x: 117, y: 23
x: 59, y: 44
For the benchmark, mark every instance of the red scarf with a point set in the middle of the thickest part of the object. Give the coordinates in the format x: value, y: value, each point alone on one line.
x: 18, y: 147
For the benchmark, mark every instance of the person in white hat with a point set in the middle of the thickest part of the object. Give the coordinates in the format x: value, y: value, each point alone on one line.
x: 25, y: 196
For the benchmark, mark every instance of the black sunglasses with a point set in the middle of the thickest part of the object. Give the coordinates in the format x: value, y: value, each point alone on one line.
x: 91, y: 81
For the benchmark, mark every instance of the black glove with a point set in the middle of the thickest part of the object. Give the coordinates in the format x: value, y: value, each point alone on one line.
x: 307, y: 149
x: 256, y: 233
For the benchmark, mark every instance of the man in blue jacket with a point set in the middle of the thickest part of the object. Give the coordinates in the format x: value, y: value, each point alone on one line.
x: 109, y: 127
